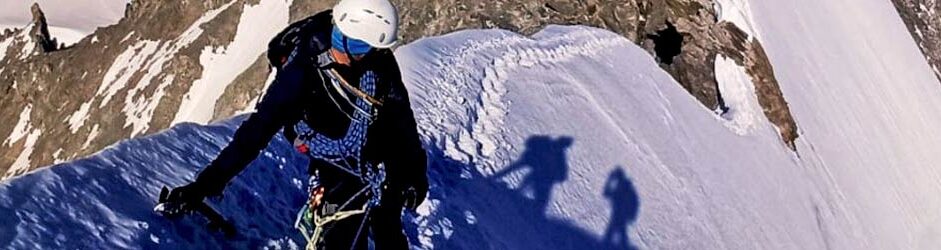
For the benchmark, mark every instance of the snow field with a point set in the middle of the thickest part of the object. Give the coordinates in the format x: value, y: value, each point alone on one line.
x: 128, y: 63
x: 608, y: 162
x: 77, y: 119
x: 738, y: 92
x: 589, y: 123
x: 868, y: 107
x: 573, y: 138
x: 222, y: 65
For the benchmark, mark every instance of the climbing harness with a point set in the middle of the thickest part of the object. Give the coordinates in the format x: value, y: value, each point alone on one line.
x: 342, y: 153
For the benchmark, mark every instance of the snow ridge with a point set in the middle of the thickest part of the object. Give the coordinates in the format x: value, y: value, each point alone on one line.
x: 462, y: 105
x: 675, y: 175
x: 458, y: 73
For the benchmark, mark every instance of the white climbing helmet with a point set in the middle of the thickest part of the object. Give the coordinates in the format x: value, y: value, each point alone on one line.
x: 375, y: 22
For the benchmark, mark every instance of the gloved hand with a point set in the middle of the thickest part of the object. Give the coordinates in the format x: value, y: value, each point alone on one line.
x: 191, y: 193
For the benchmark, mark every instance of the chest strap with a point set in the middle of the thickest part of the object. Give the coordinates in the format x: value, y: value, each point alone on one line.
x: 355, y: 91
x: 325, y: 60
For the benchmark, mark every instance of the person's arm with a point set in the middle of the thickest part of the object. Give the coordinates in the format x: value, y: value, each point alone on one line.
x: 277, y: 108
x: 404, y: 158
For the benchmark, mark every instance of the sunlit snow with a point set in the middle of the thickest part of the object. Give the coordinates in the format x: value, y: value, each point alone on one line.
x: 574, y: 138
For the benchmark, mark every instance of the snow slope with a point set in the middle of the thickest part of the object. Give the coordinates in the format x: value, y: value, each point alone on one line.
x: 589, y: 138
x: 105, y: 202
x: 553, y: 134
x: 869, y: 108
x: 574, y: 138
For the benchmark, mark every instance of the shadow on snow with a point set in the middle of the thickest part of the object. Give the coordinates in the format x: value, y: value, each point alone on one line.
x: 480, y: 212
x: 106, y: 201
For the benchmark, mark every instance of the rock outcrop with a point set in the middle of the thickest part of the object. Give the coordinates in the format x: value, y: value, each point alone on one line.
x: 122, y: 81
x: 40, y: 30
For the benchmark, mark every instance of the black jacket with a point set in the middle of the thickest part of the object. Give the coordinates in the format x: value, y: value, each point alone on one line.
x: 299, y: 94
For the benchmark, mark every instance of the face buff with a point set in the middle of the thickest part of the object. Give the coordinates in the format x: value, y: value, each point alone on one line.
x: 348, y: 45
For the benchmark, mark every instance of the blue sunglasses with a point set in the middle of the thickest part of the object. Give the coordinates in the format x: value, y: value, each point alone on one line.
x: 348, y: 45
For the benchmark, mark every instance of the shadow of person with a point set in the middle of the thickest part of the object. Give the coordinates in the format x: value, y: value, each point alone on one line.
x: 546, y: 159
x: 473, y: 211
x: 625, y: 206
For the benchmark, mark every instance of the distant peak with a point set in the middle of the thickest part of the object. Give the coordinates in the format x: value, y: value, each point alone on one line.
x: 38, y: 15
x: 40, y: 30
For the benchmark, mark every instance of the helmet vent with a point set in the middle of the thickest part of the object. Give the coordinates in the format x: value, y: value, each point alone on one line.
x: 343, y: 17
x: 382, y: 38
x: 369, y: 11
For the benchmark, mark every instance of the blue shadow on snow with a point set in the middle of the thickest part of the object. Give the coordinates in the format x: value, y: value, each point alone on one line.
x: 480, y: 212
x: 106, y: 201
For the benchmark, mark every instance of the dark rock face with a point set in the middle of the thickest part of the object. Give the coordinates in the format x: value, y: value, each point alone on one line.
x: 56, y: 86
x: 924, y: 22
x: 40, y: 31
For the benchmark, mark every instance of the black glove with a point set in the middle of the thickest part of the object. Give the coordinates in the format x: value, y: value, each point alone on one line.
x: 191, y: 193
x: 415, y: 194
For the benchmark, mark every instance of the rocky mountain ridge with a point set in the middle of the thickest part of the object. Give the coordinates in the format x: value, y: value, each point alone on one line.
x: 149, y: 71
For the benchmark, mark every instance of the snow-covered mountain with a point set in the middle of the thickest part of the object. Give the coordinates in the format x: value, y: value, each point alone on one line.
x: 130, y: 78
x: 571, y: 138
x: 169, y: 62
